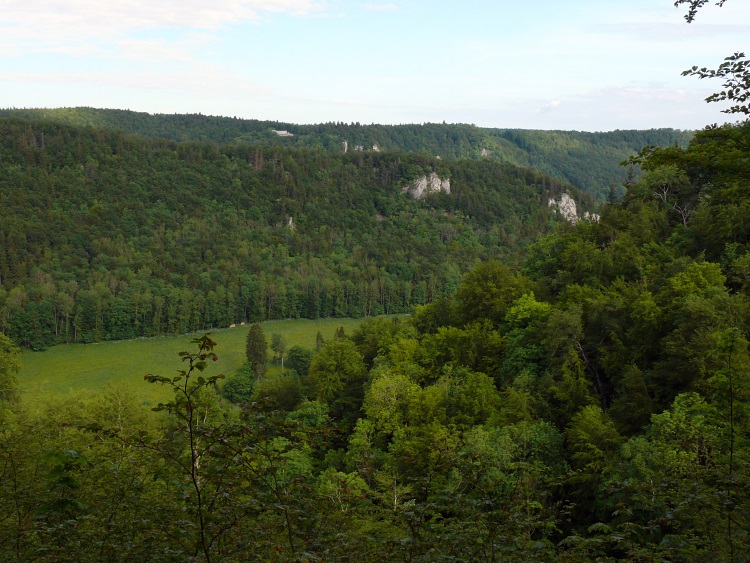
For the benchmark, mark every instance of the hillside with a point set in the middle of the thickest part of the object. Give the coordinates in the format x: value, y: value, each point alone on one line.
x: 589, y: 404
x: 105, y: 235
x: 589, y: 161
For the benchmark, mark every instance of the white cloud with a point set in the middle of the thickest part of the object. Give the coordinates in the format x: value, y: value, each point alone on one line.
x: 70, y: 26
x: 149, y: 50
x: 379, y: 7
x: 204, y: 80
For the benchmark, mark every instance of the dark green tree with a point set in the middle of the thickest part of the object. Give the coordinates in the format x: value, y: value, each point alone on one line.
x: 256, y: 349
x: 337, y: 375
x: 299, y: 359
x: 10, y: 365
x: 239, y: 389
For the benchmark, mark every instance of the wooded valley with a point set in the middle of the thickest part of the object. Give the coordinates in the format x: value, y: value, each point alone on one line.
x: 560, y: 392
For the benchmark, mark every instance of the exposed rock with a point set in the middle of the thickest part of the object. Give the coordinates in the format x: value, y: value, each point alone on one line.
x: 566, y: 207
x: 424, y: 185
x: 591, y: 217
x: 346, y: 146
x: 485, y: 152
x: 290, y: 224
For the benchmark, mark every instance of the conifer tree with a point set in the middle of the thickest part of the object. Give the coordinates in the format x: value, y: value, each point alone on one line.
x: 256, y: 349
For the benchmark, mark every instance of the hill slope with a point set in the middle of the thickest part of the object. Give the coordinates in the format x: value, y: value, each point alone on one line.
x: 589, y: 161
x: 109, y: 236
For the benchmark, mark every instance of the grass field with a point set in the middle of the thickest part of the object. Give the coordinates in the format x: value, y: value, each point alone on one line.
x: 94, y: 367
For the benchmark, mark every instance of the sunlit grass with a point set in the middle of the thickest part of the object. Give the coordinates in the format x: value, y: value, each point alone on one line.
x: 93, y: 367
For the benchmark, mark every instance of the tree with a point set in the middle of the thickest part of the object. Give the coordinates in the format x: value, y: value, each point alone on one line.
x: 488, y: 290
x: 299, y: 359
x: 319, y: 342
x: 10, y: 365
x: 256, y: 348
x: 239, y: 389
x: 694, y: 6
x: 337, y: 375
x: 205, y: 485
x: 278, y: 345
x: 735, y: 70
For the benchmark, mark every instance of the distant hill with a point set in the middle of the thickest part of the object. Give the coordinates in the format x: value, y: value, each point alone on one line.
x: 589, y: 161
x: 106, y: 235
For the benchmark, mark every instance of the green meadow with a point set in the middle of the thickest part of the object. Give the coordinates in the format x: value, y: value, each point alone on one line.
x: 82, y: 368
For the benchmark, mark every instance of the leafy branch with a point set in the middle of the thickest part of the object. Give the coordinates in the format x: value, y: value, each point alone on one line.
x: 735, y: 70
x: 694, y: 6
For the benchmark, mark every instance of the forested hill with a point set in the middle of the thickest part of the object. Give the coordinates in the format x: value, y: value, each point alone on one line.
x: 590, y: 405
x: 105, y: 235
x: 589, y: 161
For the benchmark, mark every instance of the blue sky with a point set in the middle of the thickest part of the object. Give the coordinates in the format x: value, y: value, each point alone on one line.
x: 593, y: 65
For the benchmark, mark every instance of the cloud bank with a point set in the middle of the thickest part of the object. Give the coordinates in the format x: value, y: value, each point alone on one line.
x: 51, y: 25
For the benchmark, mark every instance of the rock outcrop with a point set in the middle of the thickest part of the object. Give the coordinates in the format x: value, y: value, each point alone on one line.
x: 424, y: 185
x: 566, y: 206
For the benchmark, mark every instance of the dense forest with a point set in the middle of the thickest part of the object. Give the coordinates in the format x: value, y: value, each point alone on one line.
x: 107, y: 236
x: 588, y: 161
x: 589, y: 404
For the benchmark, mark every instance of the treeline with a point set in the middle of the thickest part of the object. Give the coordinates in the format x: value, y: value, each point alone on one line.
x: 105, y: 235
x: 589, y: 161
x: 590, y: 404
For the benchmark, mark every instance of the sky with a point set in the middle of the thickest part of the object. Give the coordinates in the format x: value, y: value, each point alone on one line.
x: 589, y: 65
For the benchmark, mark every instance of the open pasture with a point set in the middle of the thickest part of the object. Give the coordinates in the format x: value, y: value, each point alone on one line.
x: 94, y: 367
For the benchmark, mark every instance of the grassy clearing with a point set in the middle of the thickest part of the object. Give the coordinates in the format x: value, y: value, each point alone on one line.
x: 93, y: 367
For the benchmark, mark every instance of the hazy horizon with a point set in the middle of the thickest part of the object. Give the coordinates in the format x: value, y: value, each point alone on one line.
x: 542, y: 65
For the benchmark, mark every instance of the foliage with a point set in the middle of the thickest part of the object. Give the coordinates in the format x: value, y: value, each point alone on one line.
x: 256, y: 349
x: 299, y: 359
x: 735, y: 70
x: 107, y: 236
x: 694, y: 6
x: 239, y: 389
x: 592, y: 404
x: 10, y: 365
x: 588, y: 161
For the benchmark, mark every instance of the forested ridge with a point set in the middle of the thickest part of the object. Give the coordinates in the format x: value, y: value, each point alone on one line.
x: 105, y: 235
x: 588, y: 161
x: 588, y: 404
x: 587, y: 399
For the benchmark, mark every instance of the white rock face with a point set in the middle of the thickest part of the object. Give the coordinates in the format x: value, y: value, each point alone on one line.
x: 591, y: 217
x: 566, y: 207
x: 424, y: 185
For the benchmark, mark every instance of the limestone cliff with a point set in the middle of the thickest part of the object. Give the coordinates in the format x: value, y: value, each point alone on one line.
x: 566, y: 206
x: 424, y: 185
